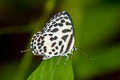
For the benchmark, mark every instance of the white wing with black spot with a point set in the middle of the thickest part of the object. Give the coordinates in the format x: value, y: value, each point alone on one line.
x: 56, y: 38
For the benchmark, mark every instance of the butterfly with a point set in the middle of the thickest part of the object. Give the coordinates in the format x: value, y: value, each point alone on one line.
x: 56, y: 38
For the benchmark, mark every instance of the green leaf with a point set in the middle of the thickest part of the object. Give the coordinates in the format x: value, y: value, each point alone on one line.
x: 53, y: 69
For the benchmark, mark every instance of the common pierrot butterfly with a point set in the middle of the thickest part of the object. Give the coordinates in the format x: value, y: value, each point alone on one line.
x: 56, y: 38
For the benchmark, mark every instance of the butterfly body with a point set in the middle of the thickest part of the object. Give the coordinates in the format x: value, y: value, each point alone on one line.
x: 56, y: 38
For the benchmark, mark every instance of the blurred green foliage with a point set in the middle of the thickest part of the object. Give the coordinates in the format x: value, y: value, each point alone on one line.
x: 53, y: 69
x: 96, y: 24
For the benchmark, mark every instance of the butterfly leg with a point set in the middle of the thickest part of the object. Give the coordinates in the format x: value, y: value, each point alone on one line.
x: 67, y: 57
x: 74, y: 48
x: 59, y: 60
x: 70, y: 52
x: 46, y: 57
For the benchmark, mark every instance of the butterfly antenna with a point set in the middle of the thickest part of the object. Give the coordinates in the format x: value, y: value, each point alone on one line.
x: 24, y: 51
x: 85, y: 54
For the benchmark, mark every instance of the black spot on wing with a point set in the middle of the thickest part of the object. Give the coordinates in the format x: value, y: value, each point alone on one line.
x: 45, y: 49
x: 48, y: 30
x: 37, y: 35
x: 60, y: 24
x: 62, y: 21
x: 42, y: 42
x: 56, y: 53
x: 50, y: 52
x: 38, y: 44
x: 34, y: 42
x: 53, y: 50
x: 34, y: 47
x: 50, y: 34
x: 55, y: 30
x: 55, y: 25
x: 69, y: 43
x: 53, y: 44
x: 53, y: 38
x: 61, y: 48
x: 64, y: 37
x: 50, y: 26
x: 57, y: 19
x: 71, y: 27
x: 39, y: 47
x: 66, y: 17
x: 53, y: 22
x: 56, y: 47
x: 67, y: 23
x: 60, y: 42
x: 38, y: 40
x: 60, y: 17
x: 42, y: 53
x: 35, y: 38
x: 66, y: 30
x: 45, y: 35
x: 40, y: 50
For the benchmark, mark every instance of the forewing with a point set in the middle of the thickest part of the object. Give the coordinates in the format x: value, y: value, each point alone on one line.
x: 57, y: 21
x: 61, y: 28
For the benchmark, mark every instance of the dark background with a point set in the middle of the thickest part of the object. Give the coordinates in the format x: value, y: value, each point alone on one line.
x: 97, y: 33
